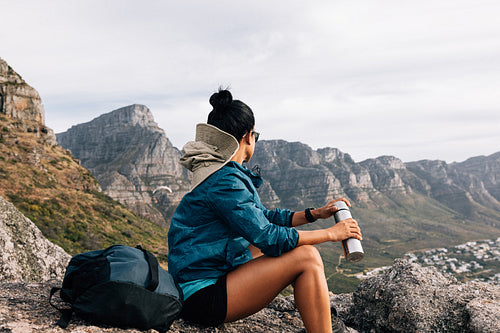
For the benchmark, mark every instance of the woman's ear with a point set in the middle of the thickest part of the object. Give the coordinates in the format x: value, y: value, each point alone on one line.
x: 248, y: 138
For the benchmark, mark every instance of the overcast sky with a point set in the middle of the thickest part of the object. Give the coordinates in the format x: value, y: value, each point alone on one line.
x: 412, y: 79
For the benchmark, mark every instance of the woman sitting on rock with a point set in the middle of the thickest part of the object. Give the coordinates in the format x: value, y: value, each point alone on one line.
x: 230, y: 255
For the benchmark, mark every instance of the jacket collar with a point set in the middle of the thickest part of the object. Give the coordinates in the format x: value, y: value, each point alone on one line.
x: 211, y: 150
x: 255, y: 178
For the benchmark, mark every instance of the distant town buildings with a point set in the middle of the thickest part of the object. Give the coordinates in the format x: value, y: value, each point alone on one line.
x: 478, y: 260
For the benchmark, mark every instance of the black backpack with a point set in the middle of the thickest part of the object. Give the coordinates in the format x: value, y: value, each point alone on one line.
x: 120, y: 286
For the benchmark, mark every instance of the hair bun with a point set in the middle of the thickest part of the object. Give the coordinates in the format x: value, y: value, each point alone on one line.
x: 221, y: 100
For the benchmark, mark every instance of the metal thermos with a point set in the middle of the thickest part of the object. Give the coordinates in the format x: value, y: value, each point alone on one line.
x: 353, y: 250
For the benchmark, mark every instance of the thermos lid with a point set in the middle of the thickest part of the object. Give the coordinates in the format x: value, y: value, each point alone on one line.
x: 341, y: 205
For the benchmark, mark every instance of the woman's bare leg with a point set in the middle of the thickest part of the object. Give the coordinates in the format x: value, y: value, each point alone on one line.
x: 255, y: 284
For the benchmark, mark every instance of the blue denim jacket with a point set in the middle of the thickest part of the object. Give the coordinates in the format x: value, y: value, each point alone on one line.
x: 216, y: 222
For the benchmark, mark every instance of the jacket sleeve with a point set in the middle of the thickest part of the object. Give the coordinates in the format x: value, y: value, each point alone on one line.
x: 234, y: 203
x: 278, y: 216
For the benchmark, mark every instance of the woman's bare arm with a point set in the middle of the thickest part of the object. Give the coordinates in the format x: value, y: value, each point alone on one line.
x: 340, y: 231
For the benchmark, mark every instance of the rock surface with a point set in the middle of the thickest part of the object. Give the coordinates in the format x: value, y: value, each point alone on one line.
x: 133, y: 160
x: 411, y: 298
x: 19, y: 100
x: 24, y: 307
x: 26, y: 255
x: 406, y: 298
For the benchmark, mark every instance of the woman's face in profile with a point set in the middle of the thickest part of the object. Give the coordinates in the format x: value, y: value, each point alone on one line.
x: 254, y: 137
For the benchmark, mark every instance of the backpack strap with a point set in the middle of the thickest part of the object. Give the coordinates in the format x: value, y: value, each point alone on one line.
x: 63, y: 322
x: 52, y: 292
x: 153, y: 269
x: 66, y: 314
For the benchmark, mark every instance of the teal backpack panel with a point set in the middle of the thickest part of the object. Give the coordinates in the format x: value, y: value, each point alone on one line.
x: 120, y: 286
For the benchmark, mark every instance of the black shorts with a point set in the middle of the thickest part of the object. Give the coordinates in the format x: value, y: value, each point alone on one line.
x: 207, y: 306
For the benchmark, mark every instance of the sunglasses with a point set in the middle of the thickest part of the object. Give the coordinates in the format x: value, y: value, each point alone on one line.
x: 256, y: 134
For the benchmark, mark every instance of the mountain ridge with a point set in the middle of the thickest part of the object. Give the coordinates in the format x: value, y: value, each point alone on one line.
x: 132, y: 158
x: 400, y: 206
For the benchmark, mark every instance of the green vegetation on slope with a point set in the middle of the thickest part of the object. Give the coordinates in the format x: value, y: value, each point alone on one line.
x: 49, y: 186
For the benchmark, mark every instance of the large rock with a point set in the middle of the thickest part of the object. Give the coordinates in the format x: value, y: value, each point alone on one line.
x: 19, y: 100
x: 411, y: 298
x: 26, y: 255
x: 133, y: 160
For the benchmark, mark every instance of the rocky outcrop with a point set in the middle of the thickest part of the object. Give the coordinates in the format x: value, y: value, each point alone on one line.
x: 133, y: 160
x: 19, y: 100
x: 411, y: 298
x: 26, y: 255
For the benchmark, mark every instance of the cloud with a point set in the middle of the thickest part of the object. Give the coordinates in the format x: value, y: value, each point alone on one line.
x: 410, y: 79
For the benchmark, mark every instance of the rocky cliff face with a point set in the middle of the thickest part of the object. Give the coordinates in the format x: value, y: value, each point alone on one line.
x: 471, y: 187
x: 133, y: 160
x: 26, y: 255
x: 299, y: 176
x: 122, y: 149
x: 21, y: 101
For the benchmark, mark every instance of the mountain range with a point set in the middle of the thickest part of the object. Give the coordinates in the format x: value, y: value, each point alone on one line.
x: 400, y: 206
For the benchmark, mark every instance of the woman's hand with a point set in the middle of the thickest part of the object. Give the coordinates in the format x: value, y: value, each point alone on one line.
x: 324, y: 212
x: 345, y: 229
x: 329, y: 209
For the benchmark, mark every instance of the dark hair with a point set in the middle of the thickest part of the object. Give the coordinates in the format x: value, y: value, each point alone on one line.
x: 231, y: 116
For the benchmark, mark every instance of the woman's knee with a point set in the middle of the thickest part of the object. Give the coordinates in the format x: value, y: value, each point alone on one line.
x: 310, y: 256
